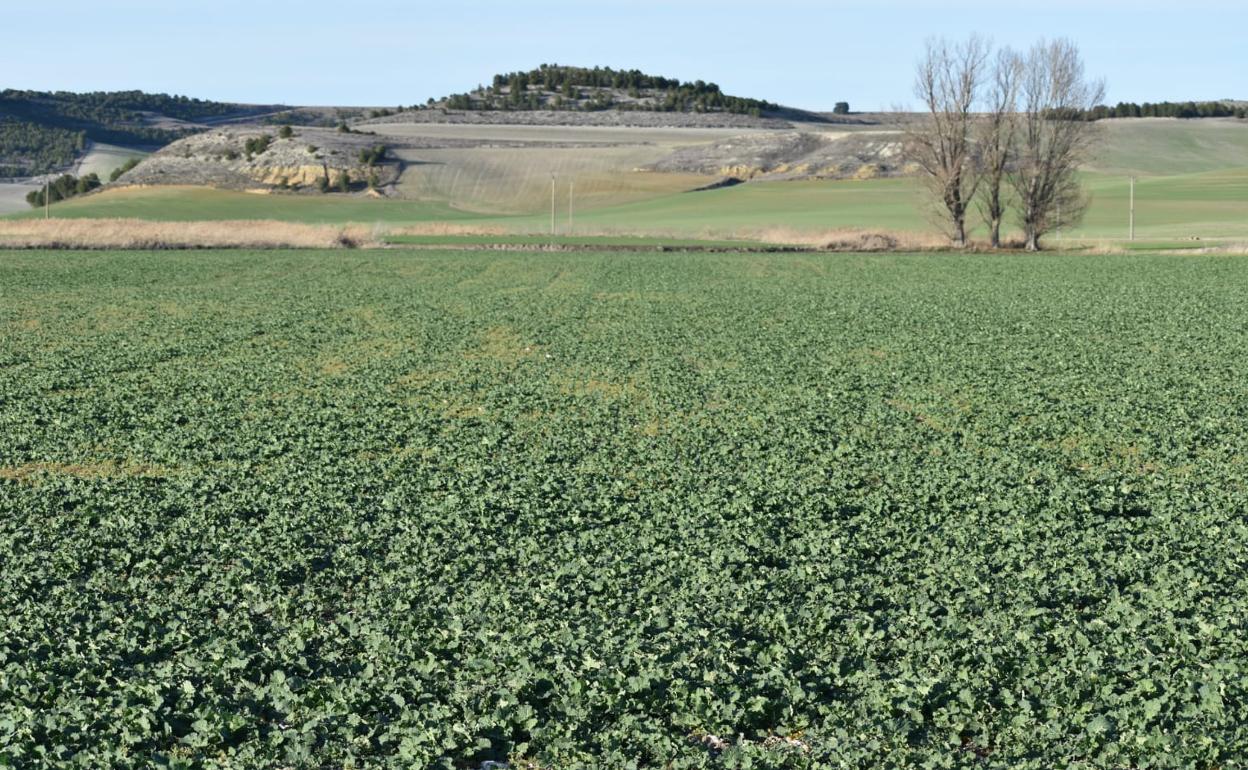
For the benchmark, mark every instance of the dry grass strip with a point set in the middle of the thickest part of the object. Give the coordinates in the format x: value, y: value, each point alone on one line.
x: 143, y: 234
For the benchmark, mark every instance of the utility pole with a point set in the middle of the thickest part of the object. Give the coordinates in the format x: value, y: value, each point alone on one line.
x: 571, y: 190
x: 1131, y: 230
x: 552, y: 204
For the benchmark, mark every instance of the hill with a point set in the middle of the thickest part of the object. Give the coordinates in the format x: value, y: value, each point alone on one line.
x: 553, y: 94
x: 552, y: 86
x: 46, y: 131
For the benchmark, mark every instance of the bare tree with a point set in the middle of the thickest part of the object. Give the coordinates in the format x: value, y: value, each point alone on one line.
x: 942, y: 144
x: 996, y: 138
x: 1054, y: 138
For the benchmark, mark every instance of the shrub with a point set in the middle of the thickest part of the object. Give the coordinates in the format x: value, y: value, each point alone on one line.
x: 344, y: 182
x: 285, y: 132
x: 257, y: 145
x: 117, y: 172
x: 841, y: 108
x: 371, y: 155
x: 86, y: 184
x: 322, y: 184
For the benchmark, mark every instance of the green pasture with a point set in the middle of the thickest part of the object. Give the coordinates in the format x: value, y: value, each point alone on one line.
x: 1205, y: 205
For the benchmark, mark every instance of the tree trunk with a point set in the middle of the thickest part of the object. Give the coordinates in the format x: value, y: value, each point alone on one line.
x: 1033, y: 240
x: 959, y: 233
x: 995, y: 231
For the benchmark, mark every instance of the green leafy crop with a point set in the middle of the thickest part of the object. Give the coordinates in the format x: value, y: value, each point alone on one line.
x: 409, y: 510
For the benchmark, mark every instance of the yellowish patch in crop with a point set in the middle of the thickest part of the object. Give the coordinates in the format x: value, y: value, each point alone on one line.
x: 420, y: 379
x: 871, y: 354
x: 503, y: 344
x: 173, y: 310
x: 111, y: 318
x: 334, y: 367
x: 106, y: 469
x: 340, y: 359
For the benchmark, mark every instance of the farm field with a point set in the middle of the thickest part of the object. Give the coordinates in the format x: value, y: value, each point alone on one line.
x: 1161, y: 147
x: 1209, y: 205
x: 104, y: 158
x: 516, y: 181
x: 13, y: 197
x: 428, y: 509
x: 603, y: 163
x: 1206, y: 205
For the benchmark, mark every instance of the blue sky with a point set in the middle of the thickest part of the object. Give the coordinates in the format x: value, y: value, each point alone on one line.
x: 802, y: 53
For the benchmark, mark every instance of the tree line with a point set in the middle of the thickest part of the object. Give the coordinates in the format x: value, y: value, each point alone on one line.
x: 62, y: 188
x: 109, y: 117
x: 68, y: 186
x: 119, y: 106
x: 1003, y: 132
x: 1168, y: 110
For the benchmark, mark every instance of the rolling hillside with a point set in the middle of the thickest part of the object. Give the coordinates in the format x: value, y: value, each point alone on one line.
x: 42, y: 132
x: 1162, y: 146
x: 631, y: 165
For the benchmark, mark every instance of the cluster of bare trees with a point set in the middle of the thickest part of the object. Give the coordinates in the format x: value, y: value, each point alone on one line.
x: 1003, y: 131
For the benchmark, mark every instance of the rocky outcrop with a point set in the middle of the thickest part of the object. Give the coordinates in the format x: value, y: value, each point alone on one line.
x: 256, y: 158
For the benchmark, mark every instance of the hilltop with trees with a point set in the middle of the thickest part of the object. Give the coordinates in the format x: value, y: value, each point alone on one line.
x: 557, y: 87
